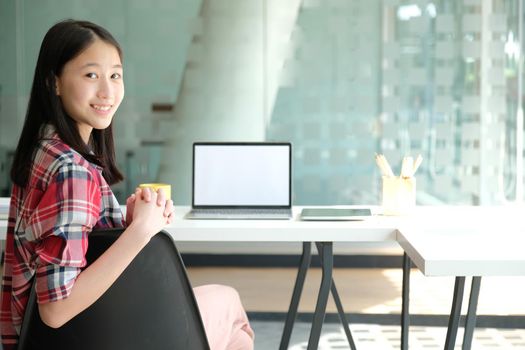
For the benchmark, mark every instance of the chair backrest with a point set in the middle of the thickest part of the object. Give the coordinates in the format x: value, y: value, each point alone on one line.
x: 150, y: 306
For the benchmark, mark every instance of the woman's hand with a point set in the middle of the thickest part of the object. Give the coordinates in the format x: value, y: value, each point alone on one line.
x: 151, y: 212
x: 130, y: 207
x: 169, y: 209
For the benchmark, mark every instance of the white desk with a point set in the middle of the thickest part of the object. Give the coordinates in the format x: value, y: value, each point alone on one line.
x: 480, y: 242
x: 466, y: 253
x: 376, y: 229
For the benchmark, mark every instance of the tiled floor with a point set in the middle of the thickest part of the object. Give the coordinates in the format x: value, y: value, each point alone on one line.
x: 375, y: 337
x: 374, y: 291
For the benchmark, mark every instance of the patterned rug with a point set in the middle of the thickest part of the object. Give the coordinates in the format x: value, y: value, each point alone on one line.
x: 378, y: 337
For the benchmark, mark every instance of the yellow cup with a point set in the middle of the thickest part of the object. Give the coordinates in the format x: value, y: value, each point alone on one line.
x: 399, y: 195
x: 155, y: 186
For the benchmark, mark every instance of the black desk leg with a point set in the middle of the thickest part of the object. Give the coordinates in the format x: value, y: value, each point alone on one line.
x: 339, y: 305
x: 306, y: 258
x: 455, y: 313
x: 322, y: 298
x: 470, y: 323
x: 405, y: 312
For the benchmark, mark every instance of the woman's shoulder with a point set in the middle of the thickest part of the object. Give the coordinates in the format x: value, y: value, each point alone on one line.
x: 54, y: 156
x: 54, y: 150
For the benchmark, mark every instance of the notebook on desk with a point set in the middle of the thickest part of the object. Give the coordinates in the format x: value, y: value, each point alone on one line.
x: 249, y: 180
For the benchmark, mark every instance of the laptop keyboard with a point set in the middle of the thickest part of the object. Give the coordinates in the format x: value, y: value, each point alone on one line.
x: 255, y: 214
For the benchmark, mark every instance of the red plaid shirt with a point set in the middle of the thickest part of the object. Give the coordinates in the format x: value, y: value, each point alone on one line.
x: 49, y: 220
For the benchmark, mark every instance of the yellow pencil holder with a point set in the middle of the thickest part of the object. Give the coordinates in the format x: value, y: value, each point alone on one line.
x: 399, y: 195
x: 155, y: 186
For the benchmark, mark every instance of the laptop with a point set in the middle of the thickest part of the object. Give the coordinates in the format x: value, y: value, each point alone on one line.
x: 241, y: 180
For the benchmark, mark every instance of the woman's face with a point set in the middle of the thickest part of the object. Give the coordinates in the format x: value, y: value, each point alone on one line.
x: 91, y: 87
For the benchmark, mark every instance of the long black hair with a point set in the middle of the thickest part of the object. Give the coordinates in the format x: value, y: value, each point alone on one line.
x: 62, y: 43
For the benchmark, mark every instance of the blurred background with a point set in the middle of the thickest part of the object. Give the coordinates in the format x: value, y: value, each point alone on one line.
x: 341, y: 80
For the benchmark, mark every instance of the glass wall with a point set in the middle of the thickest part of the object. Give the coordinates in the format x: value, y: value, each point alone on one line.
x: 341, y: 80
x: 449, y: 92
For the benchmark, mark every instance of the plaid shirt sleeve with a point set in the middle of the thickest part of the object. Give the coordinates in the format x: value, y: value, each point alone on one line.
x: 67, y: 212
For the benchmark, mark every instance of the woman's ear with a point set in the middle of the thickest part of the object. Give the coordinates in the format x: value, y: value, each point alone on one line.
x: 52, y: 83
x: 57, y: 88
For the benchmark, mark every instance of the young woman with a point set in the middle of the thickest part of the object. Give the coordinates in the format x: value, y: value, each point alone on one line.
x: 63, y: 166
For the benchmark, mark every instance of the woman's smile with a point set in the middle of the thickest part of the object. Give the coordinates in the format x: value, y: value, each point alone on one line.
x: 101, y: 109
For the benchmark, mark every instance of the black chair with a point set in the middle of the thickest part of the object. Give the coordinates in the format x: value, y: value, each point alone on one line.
x: 150, y: 306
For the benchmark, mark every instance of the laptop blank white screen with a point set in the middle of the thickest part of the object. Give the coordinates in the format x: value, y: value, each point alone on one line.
x: 241, y: 175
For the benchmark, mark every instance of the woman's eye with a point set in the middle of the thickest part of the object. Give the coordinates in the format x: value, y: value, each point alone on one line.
x: 116, y: 76
x: 91, y: 75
